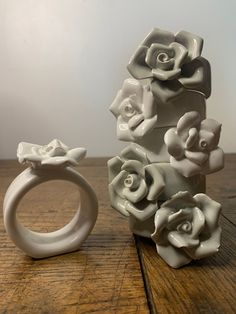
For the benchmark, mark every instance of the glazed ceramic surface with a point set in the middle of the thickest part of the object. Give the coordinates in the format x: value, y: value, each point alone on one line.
x: 158, y: 181
x: 47, y: 163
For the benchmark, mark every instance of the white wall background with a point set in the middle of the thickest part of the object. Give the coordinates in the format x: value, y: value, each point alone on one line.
x: 63, y: 61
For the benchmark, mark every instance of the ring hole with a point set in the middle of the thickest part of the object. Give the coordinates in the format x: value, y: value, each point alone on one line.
x: 49, y: 206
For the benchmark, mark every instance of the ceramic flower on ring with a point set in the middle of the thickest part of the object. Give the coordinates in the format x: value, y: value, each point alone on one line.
x: 186, y: 228
x: 193, y: 145
x: 173, y: 62
x: 134, y: 184
x: 135, y: 110
x: 54, y: 154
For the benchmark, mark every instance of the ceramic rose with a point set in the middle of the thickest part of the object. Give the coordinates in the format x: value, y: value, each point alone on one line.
x: 135, y: 111
x: 173, y: 63
x: 193, y: 145
x: 53, y: 154
x: 187, y: 228
x: 134, y: 183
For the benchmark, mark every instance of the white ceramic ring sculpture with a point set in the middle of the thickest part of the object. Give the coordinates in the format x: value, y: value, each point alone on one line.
x: 50, y: 162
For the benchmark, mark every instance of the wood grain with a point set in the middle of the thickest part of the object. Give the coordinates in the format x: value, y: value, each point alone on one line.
x: 205, y: 286
x: 103, y: 277
x: 222, y: 187
x: 112, y: 272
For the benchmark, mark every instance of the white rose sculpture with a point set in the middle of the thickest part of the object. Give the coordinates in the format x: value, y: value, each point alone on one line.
x: 186, y: 228
x: 158, y: 181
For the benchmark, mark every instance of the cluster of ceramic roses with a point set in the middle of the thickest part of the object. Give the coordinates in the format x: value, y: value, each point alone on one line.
x: 162, y: 199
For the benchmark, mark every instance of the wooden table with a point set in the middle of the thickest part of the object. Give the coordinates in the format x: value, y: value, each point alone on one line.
x: 113, y: 272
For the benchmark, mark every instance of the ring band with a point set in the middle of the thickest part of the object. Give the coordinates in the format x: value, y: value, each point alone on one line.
x: 67, y: 239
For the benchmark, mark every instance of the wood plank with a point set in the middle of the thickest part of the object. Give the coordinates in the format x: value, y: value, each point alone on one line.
x: 205, y: 286
x: 221, y: 186
x: 104, y: 276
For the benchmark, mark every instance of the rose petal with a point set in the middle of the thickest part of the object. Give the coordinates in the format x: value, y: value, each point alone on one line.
x: 196, y: 75
x: 115, y: 106
x: 123, y: 131
x: 215, y: 161
x: 158, y: 36
x: 152, y: 55
x: 25, y: 148
x: 77, y: 154
x: 185, y: 167
x: 114, y: 167
x: 198, y: 222
x: 29, y: 157
x: 166, y: 75
x: 172, y: 256
x: 134, y: 166
x: 135, y: 121
x: 134, y: 152
x: 150, y: 58
x: 55, y: 161
x: 28, y: 152
x: 177, y: 217
x: 207, y: 141
x: 207, y: 247
x: 56, y: 151
x: 165, y: 66
x: 189, y: 120
x: 144, y: 128
x: 180, y: 240
x: 160, y: 222
x: 166, y: 91
x: 192, y: 42
x: 180, y: 200
x: 157, y: 184
x: 131, y: 91
x: 131, y: 104
x: 180, y: 54
x: 211, y: 210
x: 137, y: 66
x: 132, y: 87
x: 135, y: 103
x: 54, y: 148
x: 148, y: 107
x: 213, y: 127
x: 174, y: 144
x: 192, y: 138
x: 117, y: 202
x: 137, y: 195
x: 118, y: 183
x: 197, y: 157
x: 142, y: 210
